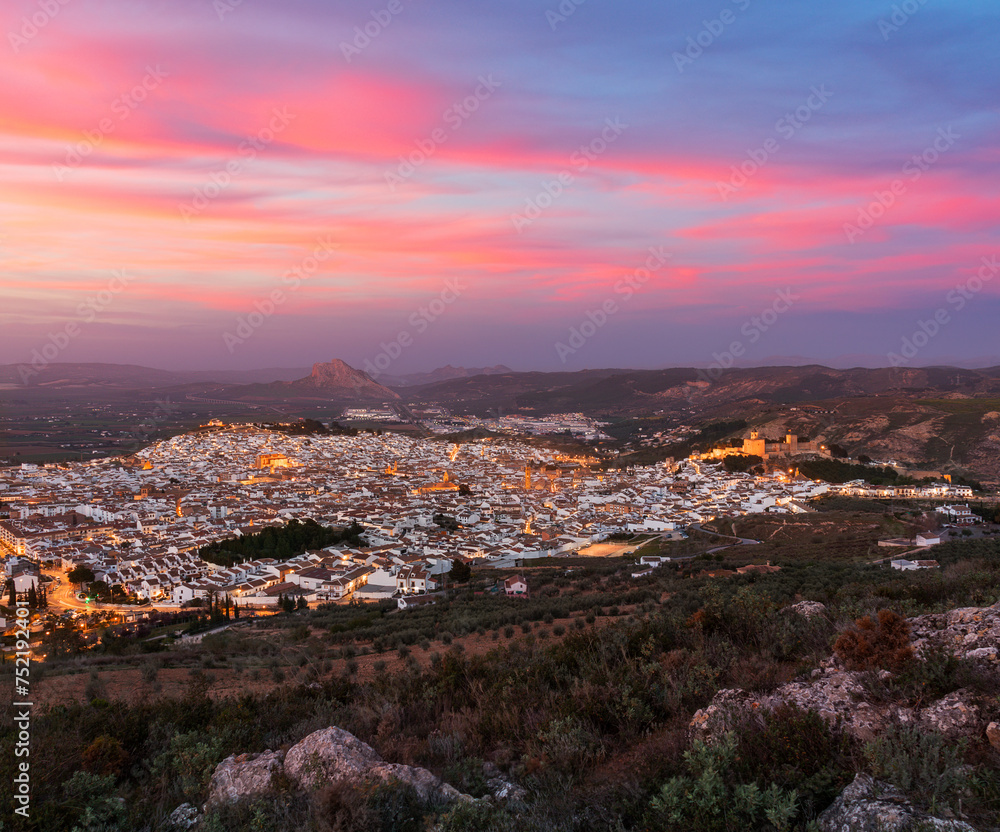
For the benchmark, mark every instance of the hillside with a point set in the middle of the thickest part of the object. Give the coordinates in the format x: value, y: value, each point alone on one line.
x: 590, y: 702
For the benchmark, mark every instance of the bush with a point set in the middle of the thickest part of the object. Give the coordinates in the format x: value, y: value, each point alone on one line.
x: 923, y: 763
x: 707, y: 798
x: 884, y: 644
x: 105, y: 756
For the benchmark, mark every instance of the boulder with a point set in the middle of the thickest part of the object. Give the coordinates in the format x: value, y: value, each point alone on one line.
x: 329, y: 754
x: 184, y: 817
x: 808, y: 609
x: 502, y: 789
x: 993, y: 734
x: 244, y: 775
x: 868, y: 805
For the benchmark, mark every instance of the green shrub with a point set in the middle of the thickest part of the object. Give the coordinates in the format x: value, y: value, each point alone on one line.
x: 923, y: 763
x: 708, y: 799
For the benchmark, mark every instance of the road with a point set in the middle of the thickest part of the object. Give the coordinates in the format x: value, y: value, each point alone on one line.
x: 62, y: 596
x: 740, y: 541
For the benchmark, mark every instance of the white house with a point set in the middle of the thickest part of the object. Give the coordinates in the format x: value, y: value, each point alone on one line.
x: 516, y: 585
x: 182, y: 593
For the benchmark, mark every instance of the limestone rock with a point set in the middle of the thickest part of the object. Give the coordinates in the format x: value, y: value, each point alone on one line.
x: 808, y: 609
x: 329, y: 754
x: 868, y: 805
x: 969, y: 632
x: 953, y: 715
x: 834, y: 695
x: 993, y: 734
x: 244, y: 775
x: 503, y: 790
x: 183, y: 817
x: 423, y: 782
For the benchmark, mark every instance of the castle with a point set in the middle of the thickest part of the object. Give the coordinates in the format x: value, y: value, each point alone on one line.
x: 791, y: 445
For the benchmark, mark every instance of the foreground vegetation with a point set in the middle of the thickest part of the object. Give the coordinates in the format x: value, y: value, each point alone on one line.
x: 582, y: 693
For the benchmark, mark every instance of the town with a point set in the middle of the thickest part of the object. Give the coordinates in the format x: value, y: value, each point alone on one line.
x: 422, y: 505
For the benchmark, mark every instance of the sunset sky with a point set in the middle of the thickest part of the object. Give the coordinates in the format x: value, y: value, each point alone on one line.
x: 484, y: 178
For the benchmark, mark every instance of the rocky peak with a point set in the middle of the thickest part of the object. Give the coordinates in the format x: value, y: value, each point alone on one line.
x: 338, y: 375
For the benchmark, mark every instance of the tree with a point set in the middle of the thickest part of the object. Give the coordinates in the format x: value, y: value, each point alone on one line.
x: 460, y: 572
x: 236, y: 611
x: 81, y: 575
x: 32, y: 597
x: 12, y: 598
x: 100, y: 590
x: 741, y: 462
x: 302, y: 604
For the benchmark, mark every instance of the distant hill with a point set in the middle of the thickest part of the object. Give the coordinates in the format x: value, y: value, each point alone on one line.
x: 126, y: 376
x: 63, y: 375
x: 944, y: 418
x: 333, y: 381
x: 442, y: 374
x: 627, y: 391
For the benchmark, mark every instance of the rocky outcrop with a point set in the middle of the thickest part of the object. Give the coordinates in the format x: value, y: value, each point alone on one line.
x: 244, y: 775
x: 331, y: 755
x: 839, y: 696
x: 953, y: 715
x: 868, y: 805
x: 341, y: 378
x: 834, y: 695
x: 970, y: 632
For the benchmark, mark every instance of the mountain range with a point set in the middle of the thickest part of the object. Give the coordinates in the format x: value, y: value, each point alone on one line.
x: 938, y: 416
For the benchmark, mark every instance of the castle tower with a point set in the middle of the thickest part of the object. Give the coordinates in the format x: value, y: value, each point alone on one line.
x: 527, y: 477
